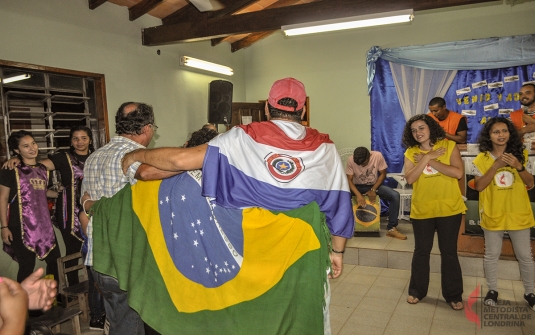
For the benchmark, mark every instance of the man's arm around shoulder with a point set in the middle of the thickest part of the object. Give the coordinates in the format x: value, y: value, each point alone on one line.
x: 168, y: 159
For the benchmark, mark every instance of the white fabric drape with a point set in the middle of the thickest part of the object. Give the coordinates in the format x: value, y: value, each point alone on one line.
x: 415, y: 87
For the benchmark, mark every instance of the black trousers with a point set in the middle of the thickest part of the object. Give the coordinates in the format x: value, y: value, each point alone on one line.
x: 447, y: 229
x: 26, y: 258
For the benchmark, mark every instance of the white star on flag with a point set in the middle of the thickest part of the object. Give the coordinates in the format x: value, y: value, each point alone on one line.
x: 183, y: 197
x: 195, y: 243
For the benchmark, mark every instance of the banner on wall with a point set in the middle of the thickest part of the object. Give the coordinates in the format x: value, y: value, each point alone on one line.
x: 483, y: 94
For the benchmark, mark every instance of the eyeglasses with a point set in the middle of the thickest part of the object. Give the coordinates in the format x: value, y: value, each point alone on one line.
x: 154, y: 126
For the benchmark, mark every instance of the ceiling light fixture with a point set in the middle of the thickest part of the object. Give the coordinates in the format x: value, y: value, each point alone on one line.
x: 349, y: 22
x: 204, y: 65
x: 16, y: 78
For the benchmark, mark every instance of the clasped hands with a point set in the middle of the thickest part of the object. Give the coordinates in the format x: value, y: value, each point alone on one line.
x: 507, y: 159
x: 433, y: 154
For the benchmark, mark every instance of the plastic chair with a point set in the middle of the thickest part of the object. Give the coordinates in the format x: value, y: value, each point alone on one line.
x: 405, y: 194
x: 77, y: 293
x: 344, y: 154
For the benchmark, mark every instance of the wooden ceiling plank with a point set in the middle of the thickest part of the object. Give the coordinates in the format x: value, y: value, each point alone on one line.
x: 254, y: 37
x: 280, y: 3
x: 95, y: 3
x: 231, y: 6
x: 186, y: 13
x: 249, y: 40
x: 273, y: 19
x: 216, y: 41
x: 192, y: 14
x: 142, y: 8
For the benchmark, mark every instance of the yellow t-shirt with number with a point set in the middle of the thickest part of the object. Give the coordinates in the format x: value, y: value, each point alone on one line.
x: 435, y: 194
x: 504, y: 204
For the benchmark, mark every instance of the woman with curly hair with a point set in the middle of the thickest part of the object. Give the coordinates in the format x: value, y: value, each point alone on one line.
x: 502, y: 173
x: 434, y: 165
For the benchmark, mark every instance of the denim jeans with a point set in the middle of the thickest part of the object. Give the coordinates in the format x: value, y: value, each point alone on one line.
x: 96, y: 303
x: 386, y: 193
x: 123, y: 319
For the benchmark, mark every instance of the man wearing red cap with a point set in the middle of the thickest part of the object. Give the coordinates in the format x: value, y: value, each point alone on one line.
x: 277, y: 164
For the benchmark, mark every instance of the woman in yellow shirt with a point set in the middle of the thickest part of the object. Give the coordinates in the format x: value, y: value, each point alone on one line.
x: 434, y: 165
x: 501, y: 177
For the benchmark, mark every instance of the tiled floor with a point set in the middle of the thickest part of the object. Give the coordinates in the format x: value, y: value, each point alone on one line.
x: 372, y: 300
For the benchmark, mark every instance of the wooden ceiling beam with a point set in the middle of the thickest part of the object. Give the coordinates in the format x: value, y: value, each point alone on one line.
x: 142, y: 8
x: 186, y: 13
x: 280, y: 3
x: 231, y: 7
x: 273, y: 19
x: 249, y: 40
x: 95, y: 3
x: 190, y: 13
x: 255, y: 37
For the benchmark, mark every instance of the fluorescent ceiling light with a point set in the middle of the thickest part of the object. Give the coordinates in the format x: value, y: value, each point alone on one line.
x: 204, y: 65
x: 16, y: 78
x: 349, y: 22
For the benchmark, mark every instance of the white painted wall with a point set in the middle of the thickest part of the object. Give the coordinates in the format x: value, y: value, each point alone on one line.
x: 67, y: 34
x: 332, y: 65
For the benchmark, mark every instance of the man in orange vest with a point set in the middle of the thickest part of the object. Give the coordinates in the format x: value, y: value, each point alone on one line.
x: 524, y: 118
x: 453, y: 123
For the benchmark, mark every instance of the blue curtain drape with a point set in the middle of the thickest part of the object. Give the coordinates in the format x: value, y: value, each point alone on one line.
x: 505, y: 63
x: 482, y: 54
x: 387, y: 120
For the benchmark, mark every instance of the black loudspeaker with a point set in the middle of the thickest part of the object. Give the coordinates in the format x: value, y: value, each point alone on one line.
x: 220, y: 108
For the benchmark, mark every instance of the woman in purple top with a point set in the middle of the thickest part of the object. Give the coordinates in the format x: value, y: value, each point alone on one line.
x: 27, y: 230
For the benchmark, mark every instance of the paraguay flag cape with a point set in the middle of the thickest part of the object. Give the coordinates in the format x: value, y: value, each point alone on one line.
x: 193, y: 267
x: 260, y: 165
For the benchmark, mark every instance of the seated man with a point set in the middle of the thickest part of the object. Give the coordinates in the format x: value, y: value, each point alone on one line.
x: 366, y: 172
x: 454, y: 124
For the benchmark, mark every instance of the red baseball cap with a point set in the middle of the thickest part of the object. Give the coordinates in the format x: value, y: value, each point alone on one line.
x: 287, y: 88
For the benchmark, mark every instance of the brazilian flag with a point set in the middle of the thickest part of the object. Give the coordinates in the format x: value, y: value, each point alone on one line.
x: 192, y: 267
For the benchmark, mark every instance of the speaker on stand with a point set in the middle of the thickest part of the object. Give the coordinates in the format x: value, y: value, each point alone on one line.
x: 220, y: 105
